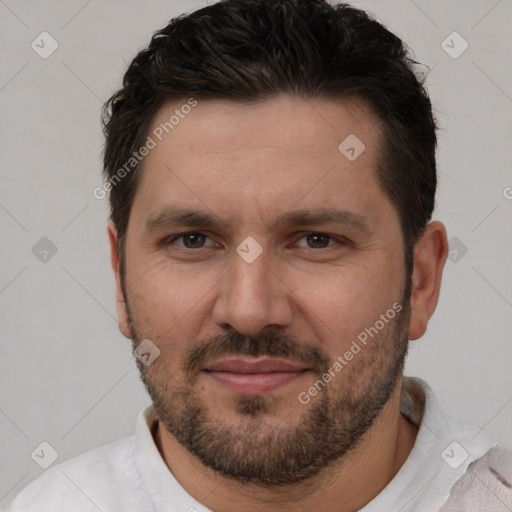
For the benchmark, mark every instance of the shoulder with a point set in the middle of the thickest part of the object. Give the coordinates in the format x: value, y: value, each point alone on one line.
x: 104, y: 478
x: 485, y: 486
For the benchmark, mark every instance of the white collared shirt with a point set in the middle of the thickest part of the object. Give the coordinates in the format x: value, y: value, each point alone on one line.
x: 130, y: 474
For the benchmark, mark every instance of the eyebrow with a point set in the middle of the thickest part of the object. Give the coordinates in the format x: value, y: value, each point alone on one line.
x: 178, y: 216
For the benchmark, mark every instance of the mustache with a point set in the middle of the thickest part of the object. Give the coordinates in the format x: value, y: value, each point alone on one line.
x: 270, y: 343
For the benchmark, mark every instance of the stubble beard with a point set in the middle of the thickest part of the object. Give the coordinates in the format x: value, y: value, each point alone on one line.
x: 258, y: 450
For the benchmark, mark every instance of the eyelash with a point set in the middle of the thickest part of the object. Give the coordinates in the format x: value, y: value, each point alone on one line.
x: 338, y: 240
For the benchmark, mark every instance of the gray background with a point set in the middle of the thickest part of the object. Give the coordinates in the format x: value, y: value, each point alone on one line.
x: 67, y: 376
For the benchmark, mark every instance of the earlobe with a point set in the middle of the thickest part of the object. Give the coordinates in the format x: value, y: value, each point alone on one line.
x: 430, y: 253
x: 122, y: 312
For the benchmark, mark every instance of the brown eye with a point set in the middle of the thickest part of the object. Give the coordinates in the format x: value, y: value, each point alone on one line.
x: 193, y: 240
x: 318, y: 240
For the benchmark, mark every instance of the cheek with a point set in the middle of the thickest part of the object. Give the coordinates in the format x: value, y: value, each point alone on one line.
x: 340, y: 304
x: 165, y: 300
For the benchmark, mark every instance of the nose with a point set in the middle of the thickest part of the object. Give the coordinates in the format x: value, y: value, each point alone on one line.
x: 252, y: 297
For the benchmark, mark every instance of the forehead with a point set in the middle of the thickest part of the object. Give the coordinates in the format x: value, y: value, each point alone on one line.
x: 216, y: 126
x: 262, y: 157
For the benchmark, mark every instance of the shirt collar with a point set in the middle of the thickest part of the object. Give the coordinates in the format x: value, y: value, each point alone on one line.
x: 443, y: 450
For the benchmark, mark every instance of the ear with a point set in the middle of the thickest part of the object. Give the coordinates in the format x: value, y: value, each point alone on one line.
x: 122, y: 312
x: 430, y: 253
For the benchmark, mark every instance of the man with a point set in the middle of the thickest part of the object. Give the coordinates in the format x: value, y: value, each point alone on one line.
x: 271, y: 170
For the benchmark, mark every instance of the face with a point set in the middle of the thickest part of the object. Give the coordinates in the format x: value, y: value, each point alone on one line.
x: 268, y: 269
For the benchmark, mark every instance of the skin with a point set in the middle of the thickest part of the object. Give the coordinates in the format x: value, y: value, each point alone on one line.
x: 248, y: 165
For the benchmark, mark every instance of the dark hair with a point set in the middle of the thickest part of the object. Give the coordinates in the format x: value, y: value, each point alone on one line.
x: 251, y: 50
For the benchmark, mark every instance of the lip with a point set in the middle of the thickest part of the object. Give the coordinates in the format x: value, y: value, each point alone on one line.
x: 251, y: 375
x: 253, y: 365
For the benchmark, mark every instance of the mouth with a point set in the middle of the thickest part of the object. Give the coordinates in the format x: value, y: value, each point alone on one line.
x: 249, y: 376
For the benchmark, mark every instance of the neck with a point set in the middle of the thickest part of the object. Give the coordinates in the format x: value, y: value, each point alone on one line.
x: 346, y: 485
